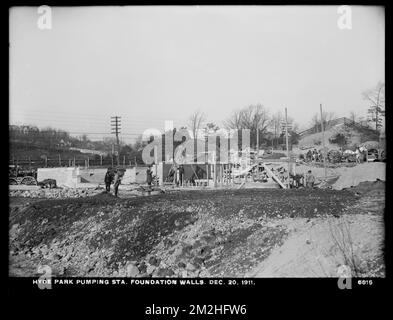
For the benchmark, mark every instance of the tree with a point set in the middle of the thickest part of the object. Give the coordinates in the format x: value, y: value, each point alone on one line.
x: 196, y: 122
x: 327, y: 117
x: 353, y: 117
x: 211, y: 128
x: 277, y: 118
x: 376, y: 97
x: 252, y: 117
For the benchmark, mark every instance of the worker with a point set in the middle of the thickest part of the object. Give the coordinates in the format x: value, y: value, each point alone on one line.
x: 309, y: 155
x: 357, y: 152
x: 363, y: 154
x: 149, y: 176
x: 108, y: 180
x: 309, y: 179
x: 181, y: 174
x: 117, y: 181
x: 264, y: 176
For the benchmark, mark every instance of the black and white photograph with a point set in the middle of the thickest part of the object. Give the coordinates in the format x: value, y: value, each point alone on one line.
x: 230, y: 143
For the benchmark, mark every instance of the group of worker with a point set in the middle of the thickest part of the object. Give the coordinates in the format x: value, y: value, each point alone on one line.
x: 314, y: 155
x: 176, y: 174
x: 295, y: 180
x: 113, y: 176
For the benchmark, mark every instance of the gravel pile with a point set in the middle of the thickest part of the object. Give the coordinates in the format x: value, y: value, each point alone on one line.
x: 58, y: 193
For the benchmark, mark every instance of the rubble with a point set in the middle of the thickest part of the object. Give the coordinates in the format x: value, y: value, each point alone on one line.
x: 56, y: 193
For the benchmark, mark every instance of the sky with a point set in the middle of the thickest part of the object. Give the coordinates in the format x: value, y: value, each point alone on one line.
x: 150, y: 64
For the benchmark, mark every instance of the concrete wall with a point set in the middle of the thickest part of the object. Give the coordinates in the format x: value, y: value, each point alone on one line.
x: 65, y: 177
x: 95, y: 176
x: 135, y: 175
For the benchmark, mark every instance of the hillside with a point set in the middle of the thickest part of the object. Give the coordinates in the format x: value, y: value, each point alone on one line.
x: 354, y: 135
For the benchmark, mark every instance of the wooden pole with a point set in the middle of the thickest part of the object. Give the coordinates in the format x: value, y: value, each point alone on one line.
x: 323, y: 142
x: 286, y: 138
x: 101, y: 160
x: 74, y: 162
x: 215, y: 170
x: 59, y: 160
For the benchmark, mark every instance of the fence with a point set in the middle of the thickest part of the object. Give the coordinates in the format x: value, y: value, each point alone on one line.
x: 59, y: 162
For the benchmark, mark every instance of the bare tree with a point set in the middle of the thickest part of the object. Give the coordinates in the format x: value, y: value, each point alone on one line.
x: 327, y: 117
x: 252, y: 117
x: 376, y: 97
x: 353, y: 116
x: 234, y: 121
x: 196, y: 122
x: 275, y: 125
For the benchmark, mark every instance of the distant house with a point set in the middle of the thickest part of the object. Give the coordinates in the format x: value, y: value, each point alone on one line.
x: 90, y: 151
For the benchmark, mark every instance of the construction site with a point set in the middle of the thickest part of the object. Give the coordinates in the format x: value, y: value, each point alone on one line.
x: 251, y: 216
x: 197, y: 142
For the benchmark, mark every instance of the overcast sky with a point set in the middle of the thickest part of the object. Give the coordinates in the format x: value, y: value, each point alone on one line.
x: 150, y: 64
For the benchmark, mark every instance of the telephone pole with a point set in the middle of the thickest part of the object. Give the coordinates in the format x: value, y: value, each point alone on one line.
x: 324, y: 152
x: 286, y: 139
x: 115, y: 126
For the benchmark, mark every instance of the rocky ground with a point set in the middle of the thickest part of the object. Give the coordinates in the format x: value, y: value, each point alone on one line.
x: 56, y: 193
x: 184, y: 234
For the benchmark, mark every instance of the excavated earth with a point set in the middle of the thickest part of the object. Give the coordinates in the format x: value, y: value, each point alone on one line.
x: 221, y: 233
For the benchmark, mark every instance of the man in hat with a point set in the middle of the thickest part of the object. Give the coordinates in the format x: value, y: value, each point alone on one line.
x: 108, y: 180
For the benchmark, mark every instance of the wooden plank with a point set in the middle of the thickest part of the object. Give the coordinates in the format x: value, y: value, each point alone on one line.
x: 270, y: 172
x: 241, y: 186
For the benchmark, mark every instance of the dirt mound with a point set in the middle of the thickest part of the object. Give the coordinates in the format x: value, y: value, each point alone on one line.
x: 315, y: 249
x: 318, y: 247
x: 185, y: 234
x: 350, y: 177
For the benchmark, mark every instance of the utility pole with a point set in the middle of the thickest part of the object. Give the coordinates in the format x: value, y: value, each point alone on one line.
x: 115, y: 126
x: 323, y: 142
x: 257, y: 139
x: 286, y: 138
